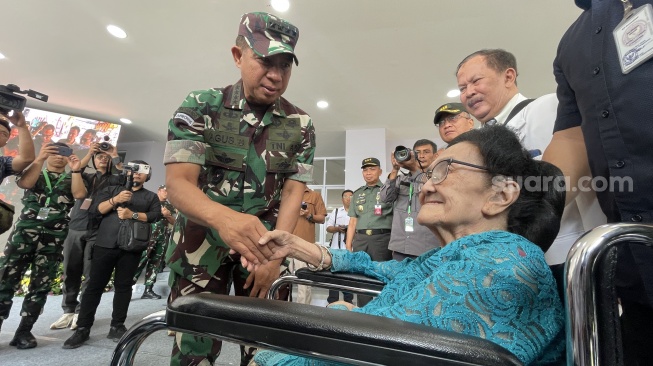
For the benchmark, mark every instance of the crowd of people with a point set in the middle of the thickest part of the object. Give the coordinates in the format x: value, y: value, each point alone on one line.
x: 461, y: 241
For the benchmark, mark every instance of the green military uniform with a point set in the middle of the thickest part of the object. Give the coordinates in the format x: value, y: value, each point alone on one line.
x: 373, y: 223
x: 246, y: 162
x: 369, y: 225
x: 152, y: 258
x: 36, y: 242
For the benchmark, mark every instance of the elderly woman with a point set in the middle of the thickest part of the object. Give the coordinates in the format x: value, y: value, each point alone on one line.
x: 489, y: 279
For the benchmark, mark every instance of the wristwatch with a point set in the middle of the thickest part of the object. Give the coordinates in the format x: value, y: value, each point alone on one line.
x: 135, y: 216
x: 310, y: 217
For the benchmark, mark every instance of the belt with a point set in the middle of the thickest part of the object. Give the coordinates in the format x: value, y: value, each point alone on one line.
x: 373, y: 231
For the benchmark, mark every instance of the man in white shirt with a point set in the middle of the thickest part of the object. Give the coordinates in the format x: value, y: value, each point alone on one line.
x: 487, y: 80
x: 337, y: 222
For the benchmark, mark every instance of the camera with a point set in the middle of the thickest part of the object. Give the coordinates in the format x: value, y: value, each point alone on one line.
x: 402, y: 153
x: 64, y: 150
x: 134, y: 168
x: 106, y: 146
x: 10, y: 100
x: 137, y: 168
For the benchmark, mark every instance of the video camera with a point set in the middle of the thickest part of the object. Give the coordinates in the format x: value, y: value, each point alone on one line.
x: 134, y: 168
x: 10, y: 100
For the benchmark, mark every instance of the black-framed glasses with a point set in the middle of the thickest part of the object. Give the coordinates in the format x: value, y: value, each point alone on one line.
x: 441, y: 170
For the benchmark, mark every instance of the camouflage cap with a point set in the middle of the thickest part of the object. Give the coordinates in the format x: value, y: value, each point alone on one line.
x: 370, y: 162
x: 449, y: 108
x: 268, y: 35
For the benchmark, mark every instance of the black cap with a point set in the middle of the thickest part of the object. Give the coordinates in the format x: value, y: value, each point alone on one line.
x: 370, y: 162
x: 449, y: 108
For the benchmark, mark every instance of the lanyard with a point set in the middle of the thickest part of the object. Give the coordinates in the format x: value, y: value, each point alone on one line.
x: 628, y: 7
x: 410, y: 197
x: 49, y: 186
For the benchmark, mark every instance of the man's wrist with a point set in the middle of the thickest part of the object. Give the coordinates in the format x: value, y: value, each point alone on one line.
x: 309, y: 217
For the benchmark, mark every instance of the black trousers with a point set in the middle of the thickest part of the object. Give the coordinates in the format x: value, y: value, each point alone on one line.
x: 103, y: 263
x: 377, y: 247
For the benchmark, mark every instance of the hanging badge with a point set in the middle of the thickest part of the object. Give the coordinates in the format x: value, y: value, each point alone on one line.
x: 86, y: 204
x: 409, y: 224
x: 634, y: 37
x: 377, y: 210
x: 43, y: 213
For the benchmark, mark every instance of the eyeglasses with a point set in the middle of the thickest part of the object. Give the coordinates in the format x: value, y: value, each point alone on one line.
x: 451, y: 118
x: 441, y: 170
x: 103, y: 157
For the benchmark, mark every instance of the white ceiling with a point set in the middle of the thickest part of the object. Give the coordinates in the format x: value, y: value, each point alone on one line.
x: 379, y: 63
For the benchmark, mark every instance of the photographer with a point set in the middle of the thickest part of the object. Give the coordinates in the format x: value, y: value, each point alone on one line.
x: 82, y: 231
x: 115, y: 204
x: 37, y: 238
x: 408, y: 239
x: 8, y: 165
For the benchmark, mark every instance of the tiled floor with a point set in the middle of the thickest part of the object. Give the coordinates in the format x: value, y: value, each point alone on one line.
x: 97, y: 351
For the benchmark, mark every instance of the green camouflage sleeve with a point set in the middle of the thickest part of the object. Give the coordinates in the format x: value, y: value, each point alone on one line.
x: 186, y: 128
x: 307, y: 151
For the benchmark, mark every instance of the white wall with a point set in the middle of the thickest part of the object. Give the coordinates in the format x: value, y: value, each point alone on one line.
x: 361, y: 144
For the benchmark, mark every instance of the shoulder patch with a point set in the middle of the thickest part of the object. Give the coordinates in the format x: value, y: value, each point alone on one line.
x: 184, y: 117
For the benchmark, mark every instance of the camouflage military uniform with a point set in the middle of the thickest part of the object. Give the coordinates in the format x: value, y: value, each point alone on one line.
x: 246, y: 162
x: 151, y: 260
x: 36, y: 243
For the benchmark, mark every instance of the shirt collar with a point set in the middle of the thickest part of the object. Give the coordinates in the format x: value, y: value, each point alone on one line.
x: 503, y: 115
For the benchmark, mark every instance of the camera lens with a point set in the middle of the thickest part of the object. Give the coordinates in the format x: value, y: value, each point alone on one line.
x: 402, y: 153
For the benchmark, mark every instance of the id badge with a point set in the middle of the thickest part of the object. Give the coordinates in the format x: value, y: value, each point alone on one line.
x: 634, y: 38
x: 86, y: 204
x: 377, y: 210
x: 43, y: 213
x: 409, y: 224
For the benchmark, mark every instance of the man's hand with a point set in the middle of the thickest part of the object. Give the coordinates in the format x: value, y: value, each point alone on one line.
x: 122, y: 197
x: 165, y: 212
x: 46, y: 152
x: 124, y: 213
x: 262, y: 276
x: 18, y: 119
x: 242, y: 232
x: 74, y: 162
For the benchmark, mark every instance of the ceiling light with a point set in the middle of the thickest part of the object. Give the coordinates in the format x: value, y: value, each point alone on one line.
x: 116, y: 31
x: 2, y: 56
x: 453, y: 93
x: 280, y: 5
x: 125, y: 120
x: 322, y: 104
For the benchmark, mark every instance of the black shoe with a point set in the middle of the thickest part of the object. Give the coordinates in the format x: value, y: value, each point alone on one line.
x: 24, y: 339
x: 78, y: 338
x: 116, y: 332
x: 149, y: 294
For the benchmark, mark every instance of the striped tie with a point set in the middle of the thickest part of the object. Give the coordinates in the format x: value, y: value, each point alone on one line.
x: 491, y: 122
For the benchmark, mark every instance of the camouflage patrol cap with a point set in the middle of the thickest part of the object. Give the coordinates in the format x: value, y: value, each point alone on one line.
x: 449, y: 108
x: 269, y: 35
x: 370, y: 162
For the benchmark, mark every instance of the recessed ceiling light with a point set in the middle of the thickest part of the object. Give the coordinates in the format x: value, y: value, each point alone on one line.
x: 280, y: 5
x: 2, y: 56
x: 125, y: 120
x: 322, y: 104
x: 453, y: 93
x: 116, y: 31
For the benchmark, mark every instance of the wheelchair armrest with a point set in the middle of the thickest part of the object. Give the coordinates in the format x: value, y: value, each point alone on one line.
x: 341, y: 278
x: 327, y: 333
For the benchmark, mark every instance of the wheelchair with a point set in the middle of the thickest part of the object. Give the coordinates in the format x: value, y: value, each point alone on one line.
x: 592, y: 318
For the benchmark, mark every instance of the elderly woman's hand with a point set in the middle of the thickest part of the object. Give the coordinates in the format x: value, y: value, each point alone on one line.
x: 281, y: 243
